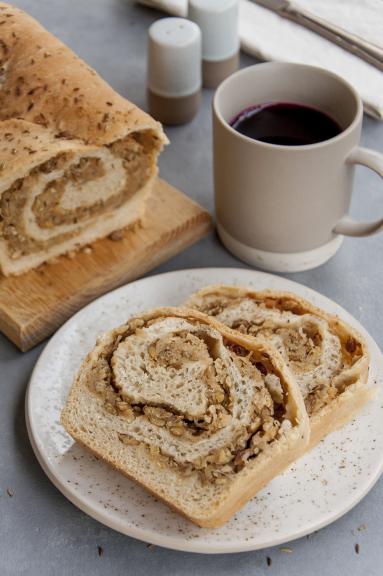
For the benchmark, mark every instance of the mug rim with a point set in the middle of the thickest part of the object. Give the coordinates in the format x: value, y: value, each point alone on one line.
x: 317, y: 69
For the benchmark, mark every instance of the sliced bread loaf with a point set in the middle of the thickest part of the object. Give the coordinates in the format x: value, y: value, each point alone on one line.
x: 77, y: 161
x: 200, y: 415
x: 328, y: 358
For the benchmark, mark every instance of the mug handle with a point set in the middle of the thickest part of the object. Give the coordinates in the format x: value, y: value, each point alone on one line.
x: 347, y: 225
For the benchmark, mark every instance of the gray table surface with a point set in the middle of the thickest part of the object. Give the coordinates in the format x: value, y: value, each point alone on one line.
x: 41, y: 533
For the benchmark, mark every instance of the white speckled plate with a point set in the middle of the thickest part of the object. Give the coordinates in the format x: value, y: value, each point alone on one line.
x: 317, y: 490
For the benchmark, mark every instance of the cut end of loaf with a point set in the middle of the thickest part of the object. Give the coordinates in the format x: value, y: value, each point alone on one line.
x: 80, y: 194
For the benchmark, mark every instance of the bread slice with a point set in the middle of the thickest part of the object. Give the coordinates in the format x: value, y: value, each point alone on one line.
x: 77, y: 161
x: 328, y: 358
x: 200, y: 415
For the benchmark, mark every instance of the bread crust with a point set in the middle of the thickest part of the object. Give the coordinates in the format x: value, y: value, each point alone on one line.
x: 29, y: 146
x: 51, y: 102
x: 44, y: 82
x: 247, y: 482
x: 344, y: 407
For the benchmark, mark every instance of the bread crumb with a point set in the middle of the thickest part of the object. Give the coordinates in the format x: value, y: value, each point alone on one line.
x: 150, y: 546
x: 362, y: 527
x: 269, y: 561
x: 10, y: 492
x: 286, y: 550
x: 100, y: 551
x: 87, y: 250
x: 357, y: 548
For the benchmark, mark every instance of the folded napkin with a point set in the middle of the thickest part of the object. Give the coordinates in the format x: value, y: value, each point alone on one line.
x: 360, y: 18
x: 268, y: 36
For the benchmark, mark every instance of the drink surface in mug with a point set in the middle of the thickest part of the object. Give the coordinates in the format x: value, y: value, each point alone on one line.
x: 285, y: 123
x: 286, y: 142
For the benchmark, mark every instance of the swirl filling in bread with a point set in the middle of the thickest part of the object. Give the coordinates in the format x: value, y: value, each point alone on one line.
x: 202, y: 403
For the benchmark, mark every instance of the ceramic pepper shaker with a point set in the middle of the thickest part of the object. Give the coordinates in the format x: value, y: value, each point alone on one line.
x: 218, y: 21
x: 174, y: 70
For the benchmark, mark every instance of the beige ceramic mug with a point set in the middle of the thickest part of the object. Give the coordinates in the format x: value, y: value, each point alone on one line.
x: 285, y: 208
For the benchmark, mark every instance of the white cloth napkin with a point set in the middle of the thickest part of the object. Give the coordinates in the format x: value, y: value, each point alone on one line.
x: 268, y: 36
x: 363, y: 18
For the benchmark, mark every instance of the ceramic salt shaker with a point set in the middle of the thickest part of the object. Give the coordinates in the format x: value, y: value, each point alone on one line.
x: 174, y: 70
x: 218, y: 21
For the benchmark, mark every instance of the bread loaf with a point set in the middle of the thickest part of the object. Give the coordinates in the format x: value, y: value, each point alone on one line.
x: 77, y: 161
x: 200, y: 415
x: 327, y: 357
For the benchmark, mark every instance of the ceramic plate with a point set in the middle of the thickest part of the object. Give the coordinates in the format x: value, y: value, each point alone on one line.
x: 315, y: 491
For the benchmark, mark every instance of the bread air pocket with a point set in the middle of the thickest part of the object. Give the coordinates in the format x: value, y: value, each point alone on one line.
x: 200, y: 416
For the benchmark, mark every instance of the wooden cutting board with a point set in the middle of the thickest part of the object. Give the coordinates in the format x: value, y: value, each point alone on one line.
x: 34, y: 305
